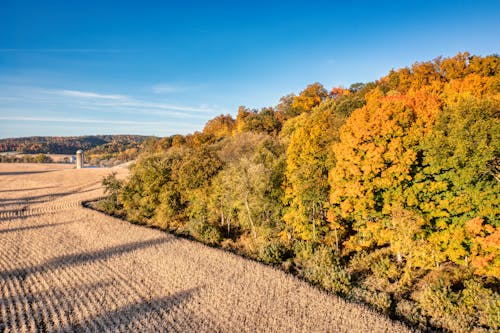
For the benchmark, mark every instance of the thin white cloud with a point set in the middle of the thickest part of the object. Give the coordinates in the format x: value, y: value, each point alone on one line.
x: 164, y: 88
x: 87, y: 94
x: 87, y: 121
x: 170, y: 88
x: 163, y: 106
x: 7, y: 99
x: 70, y: 99
x: 109, y: 100
x: 67, y: 50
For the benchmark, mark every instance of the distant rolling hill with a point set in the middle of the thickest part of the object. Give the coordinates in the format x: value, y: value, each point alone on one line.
x: 66, y: 144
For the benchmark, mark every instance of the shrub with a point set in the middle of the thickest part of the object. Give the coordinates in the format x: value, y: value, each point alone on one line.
x: 205, y: 232
x: 273, y: 252
x: 112, y: 187
x: 459, y: 303
x: 109, y: 205
x: 321, y: 265
x: 411, y: 312
x: 378, y: 299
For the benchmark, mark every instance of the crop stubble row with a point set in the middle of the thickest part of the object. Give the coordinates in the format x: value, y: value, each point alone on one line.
x: 67, y: 268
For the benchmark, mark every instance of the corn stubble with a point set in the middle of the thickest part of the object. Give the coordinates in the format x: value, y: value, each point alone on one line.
x: 67, y: 268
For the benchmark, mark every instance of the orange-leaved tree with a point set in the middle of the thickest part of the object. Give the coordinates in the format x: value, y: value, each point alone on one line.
x: 378, y: 155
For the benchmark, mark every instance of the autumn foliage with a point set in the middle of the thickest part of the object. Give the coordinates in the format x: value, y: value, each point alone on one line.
x: 385, y: 192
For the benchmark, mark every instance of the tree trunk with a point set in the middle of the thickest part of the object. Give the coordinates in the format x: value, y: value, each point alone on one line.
x: 336, y: 240
x: 314, y: 222
x: 250, y: 218
x: 221, y: 215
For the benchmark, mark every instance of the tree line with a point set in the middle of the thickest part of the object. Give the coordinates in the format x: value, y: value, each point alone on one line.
x: 68, y: 144
x: 385, y: 192
x: 100, y: 150
x: 38, y: 158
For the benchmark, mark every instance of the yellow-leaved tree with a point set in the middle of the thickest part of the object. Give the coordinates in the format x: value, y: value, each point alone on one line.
x: 377, y: 157
x: 309, y: 157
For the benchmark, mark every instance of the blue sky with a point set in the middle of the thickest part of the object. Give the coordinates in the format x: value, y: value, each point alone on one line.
x: 166, y: 67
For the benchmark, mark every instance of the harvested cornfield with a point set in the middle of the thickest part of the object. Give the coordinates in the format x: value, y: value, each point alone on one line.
x: 67, y: 268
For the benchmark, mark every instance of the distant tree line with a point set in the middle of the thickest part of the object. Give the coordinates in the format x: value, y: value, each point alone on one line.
x: 385, y: 192
x: 100, y: 150
x: 66, y: 144
x: 39, y: 158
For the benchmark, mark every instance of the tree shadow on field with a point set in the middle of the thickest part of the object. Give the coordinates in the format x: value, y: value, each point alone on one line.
x: 55, y: 295
x: 28, y: 189
x: 32, y: 227
x: 19, y: 173
x: 66, y: 300
x: 21, y: 215
x: 81, y: 258
x: 41, y: 198
x: 129, y: 317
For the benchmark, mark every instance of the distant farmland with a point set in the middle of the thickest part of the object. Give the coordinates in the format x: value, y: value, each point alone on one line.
x: 67, y: 268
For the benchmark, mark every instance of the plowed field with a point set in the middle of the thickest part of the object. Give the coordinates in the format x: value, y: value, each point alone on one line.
x: 67, y: 268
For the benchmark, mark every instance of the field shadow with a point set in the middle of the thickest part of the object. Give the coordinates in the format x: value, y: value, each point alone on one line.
x: 19, y: 173
x: 58, y: 294
x: 34, y: 301
x: 81, y: 258
x: 36, y: 199
x: 28, y: 189
x: 127, y: 315
x: 21, y: 215
x: 32, y: 227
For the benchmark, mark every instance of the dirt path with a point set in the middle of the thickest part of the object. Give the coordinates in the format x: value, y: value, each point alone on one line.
x: 66, y: 268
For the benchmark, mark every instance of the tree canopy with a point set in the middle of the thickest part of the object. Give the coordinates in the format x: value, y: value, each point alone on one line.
x: 386, y: 192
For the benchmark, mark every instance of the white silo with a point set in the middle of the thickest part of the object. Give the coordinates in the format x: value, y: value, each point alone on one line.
x: 79, y: 159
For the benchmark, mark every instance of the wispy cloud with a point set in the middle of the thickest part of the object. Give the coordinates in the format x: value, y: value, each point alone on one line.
x: 90, y: 121
x: 68, y: 106
x: 164, y: 106
x: 164, y: 88
x: 171, y: 88
x: 86, y: 94
x: 64, y: 50
x: 8, y: 99
x: 123, y: 101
